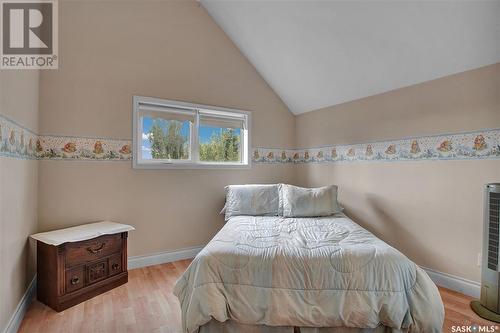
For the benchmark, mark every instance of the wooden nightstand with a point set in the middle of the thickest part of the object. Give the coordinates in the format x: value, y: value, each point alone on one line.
x: 78, y: 263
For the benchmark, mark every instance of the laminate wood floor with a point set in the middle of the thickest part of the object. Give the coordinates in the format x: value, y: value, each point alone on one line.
x: 146, y: 304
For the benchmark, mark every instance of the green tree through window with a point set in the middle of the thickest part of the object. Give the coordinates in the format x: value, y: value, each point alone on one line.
x: 223, y: 146
x: 167, y: 141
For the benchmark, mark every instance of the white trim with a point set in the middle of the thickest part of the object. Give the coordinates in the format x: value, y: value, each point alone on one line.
x: 163, y: 257
x: 194, y: 144
x: 456, y: 283
x: 18, y: 315
x: 191, y: 166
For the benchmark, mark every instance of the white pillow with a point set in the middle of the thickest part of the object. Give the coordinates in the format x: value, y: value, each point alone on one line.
x: 255, y: 200
x: 308, y: 202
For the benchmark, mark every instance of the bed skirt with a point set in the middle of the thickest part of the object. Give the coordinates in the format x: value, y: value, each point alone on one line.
x: 231, y: 327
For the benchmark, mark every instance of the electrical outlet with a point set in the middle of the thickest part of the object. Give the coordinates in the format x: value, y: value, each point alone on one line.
x: 479, y: 259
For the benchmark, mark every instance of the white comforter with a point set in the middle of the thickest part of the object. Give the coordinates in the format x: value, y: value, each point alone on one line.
x: 306, y: 272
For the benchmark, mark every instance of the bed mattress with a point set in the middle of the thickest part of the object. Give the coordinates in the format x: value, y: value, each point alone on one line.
x: 306, y: 272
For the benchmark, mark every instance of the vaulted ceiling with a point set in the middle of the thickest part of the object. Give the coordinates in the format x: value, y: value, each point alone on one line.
x: 316, y: 54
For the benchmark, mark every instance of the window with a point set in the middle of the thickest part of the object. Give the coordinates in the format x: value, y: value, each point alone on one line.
x: 170, y: 134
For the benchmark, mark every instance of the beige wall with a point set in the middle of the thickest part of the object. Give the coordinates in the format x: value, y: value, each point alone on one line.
x: 171, y: 209
x: 463, y: 102
x: 171, y: 50
x: 430, y: 210
x: 18, y: 194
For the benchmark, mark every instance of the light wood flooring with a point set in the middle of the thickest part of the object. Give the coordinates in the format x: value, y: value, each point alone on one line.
x: 146, y: 304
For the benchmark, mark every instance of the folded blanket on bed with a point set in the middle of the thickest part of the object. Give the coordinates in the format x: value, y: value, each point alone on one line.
x: 306, y: 272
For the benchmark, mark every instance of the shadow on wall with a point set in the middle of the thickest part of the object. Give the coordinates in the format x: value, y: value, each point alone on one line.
x: 381, y: 221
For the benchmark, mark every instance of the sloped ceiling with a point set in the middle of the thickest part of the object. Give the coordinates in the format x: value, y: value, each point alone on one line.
x: 316, y: 54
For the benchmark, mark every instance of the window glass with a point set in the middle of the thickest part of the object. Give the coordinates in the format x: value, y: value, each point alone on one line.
x: 219, y: 144
x: 165, y: 138
x: 220, y: 138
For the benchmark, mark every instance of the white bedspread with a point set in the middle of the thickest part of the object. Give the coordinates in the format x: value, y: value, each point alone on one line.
x: 306, y: 272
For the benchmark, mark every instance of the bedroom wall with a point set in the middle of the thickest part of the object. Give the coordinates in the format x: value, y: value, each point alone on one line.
x: 430, y: 210
x: 173, y: 50
x: 18, y: 188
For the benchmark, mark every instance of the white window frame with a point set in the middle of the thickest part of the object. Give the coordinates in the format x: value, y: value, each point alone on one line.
x: 193, y: 162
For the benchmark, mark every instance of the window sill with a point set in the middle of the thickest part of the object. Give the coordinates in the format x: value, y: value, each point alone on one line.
x: 190, y: 166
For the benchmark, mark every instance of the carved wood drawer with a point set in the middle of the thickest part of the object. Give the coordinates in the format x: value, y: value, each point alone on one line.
x: 75, y: 279
x: 94, y: 249
x: 97, y: 271
x: 115, y: 264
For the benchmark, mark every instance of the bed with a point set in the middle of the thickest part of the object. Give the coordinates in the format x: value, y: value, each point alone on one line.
x: 275, y: 274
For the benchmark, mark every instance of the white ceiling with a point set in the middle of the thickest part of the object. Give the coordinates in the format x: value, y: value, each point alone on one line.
x: 316, y: 54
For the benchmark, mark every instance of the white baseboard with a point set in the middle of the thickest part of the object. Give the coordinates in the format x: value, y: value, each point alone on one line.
x: 456, y: 283
x: 17, y: 318
x: 163, y: 257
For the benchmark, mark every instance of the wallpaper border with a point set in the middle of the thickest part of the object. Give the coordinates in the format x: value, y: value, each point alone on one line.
x: 481, y: 144
x: 17, y: 141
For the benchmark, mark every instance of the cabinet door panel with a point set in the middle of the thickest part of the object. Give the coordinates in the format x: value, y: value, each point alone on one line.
x: 74, y: 279
x: 97, y: 271
x: 115, y: 265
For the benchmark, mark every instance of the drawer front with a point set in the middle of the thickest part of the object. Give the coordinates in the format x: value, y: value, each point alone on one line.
x: 93, y: 249
x: 97, y: 271
x: 75, y: 279
x: 115, y: 265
